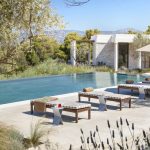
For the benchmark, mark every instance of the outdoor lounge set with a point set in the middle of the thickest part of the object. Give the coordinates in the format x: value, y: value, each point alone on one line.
x: 41, y: 105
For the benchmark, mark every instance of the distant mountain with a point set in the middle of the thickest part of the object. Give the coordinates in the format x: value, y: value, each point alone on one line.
x: 125, y: 30
x: 59, y: 35
x: 121, y: 31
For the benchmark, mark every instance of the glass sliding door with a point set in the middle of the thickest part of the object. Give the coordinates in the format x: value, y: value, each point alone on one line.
x: 123, y: 54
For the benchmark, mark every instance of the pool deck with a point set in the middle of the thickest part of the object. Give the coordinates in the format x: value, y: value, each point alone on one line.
x: 19, y: 117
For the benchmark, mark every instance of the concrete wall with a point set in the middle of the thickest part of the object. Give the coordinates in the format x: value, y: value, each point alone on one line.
x: 103, y: 52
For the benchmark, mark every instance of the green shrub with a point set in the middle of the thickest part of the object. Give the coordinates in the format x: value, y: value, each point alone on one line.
x: 32, y: 58
x: 55, y: 67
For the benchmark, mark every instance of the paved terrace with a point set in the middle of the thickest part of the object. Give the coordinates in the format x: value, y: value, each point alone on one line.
x: 69, y: 133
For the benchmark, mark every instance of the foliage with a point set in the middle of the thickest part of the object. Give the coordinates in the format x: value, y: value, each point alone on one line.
x: 83, y: 44
x: 43, y: 47
x: 36, y: 135
x: 148, y: 30
x: 54, y: 67
x: 132, y: 32
x: 89, y: 33
x: 140, y: 41
x: 20, y: 21
x: 118, y: 138
x: 10, y: 139
x: 82, y: 52
x: 65, y: 47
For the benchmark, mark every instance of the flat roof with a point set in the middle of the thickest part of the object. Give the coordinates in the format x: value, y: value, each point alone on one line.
x: 115, y: 38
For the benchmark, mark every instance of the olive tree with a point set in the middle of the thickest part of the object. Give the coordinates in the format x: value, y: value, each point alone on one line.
x: 20, y: 21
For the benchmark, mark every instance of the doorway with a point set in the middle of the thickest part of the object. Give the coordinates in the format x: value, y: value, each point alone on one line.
x: 123, y: 49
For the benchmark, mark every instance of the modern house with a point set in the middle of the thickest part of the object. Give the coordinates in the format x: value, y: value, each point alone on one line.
x: 116, y: 51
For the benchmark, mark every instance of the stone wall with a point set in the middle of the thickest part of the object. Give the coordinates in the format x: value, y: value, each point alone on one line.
x: 103, y: 52
x: 133, y: 58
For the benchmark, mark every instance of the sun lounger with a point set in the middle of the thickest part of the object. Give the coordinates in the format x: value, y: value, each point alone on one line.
x: 108, y: 97
x: 77, y: 108
x: 135, y: 87
x: 40, y: 105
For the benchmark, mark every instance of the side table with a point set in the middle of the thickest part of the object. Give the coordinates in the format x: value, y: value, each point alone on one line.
x: 57, y: 115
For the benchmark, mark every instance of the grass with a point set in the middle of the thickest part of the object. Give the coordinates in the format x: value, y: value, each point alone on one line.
x: 10, y: 139
x: 54, y: 67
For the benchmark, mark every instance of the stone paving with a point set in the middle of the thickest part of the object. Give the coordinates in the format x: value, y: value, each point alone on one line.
x: 69, y: 133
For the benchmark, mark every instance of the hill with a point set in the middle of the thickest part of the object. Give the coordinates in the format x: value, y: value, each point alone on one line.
x: 59, y: 35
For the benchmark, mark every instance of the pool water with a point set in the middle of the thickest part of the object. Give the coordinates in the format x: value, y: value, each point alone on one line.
x: 24, y: 89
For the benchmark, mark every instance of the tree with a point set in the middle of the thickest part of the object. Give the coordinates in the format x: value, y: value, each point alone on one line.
x: 148, y: 30
x: 131, y: 32
x: 66, y: 46
x: 140, y: 41
x: 90, y: 32
x: 83, y: 44
x: 21, y: 20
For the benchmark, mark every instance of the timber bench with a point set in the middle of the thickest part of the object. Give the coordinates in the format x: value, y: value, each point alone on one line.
x: 77, y: 108
x: 107, y: 96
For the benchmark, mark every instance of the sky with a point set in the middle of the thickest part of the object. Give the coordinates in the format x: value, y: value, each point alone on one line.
x: 105, y: 15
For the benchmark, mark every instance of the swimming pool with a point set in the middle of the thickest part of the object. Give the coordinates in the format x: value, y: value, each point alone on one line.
x: 24, y: 89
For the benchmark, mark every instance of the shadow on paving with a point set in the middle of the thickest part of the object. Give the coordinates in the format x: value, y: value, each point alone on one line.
x: 47, y: 114
x: 109, y: 107
x: 66, y: 118
x: 122, y: 91
x: 142, y: 102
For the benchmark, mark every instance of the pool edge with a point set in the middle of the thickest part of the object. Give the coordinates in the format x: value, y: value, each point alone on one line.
x: 59, y: 96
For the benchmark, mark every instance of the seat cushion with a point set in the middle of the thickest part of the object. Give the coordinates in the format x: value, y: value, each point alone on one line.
x: 105, y: 94
x: 74, y: 105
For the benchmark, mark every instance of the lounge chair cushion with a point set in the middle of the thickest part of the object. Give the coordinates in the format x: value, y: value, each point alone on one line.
x: 137, y: 85
x: 105, y: 94
x: 74, y: 105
